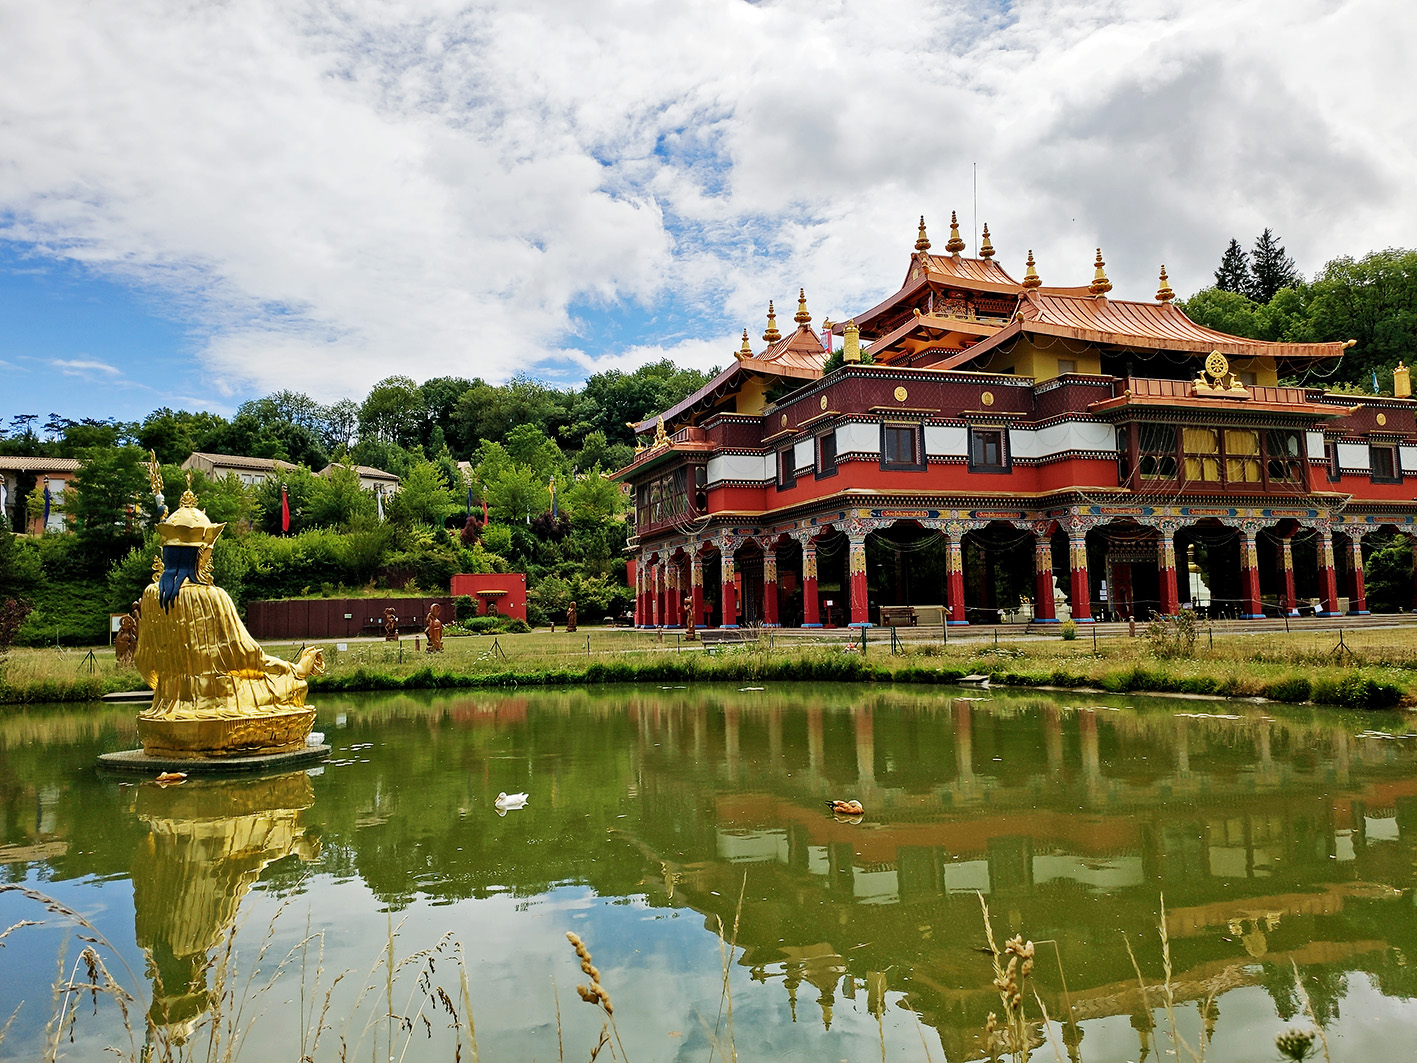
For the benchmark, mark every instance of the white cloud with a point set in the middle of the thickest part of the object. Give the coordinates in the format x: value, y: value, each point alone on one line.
x: 338, y: 191
x: 84, y: 367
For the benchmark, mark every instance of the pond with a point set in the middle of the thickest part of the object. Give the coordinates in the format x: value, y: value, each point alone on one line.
x: 683, y: 833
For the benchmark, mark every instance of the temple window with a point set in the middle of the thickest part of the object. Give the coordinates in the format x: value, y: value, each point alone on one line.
x: 1067, y: 365
x: 1331, y: 460
x: 786, y: 468
x: 902, y: 446
x: 1383, y: 462
x: 826, y: 454
x: 988, y: 450
x: 1242, y: 456
x: 1156, y: 451
x: 1283, y: 452
x: 1202, y: 452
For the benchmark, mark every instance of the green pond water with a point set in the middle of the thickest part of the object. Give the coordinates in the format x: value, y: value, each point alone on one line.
x: 1278, y: 837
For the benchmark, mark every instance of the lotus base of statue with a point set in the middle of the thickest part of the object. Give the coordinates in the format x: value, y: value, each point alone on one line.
x: 240, y: 736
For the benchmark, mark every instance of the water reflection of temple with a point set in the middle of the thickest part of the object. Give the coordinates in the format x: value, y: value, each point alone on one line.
x: 207, y: 843
x: 1272, y: 840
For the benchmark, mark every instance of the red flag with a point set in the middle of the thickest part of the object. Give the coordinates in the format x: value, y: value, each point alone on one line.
x: 484, y: 511
x: 284, y: 510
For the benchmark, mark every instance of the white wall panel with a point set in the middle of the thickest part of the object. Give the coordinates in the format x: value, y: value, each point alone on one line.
x: 752, y: 467
x: 946, y: 441
x: 851, y: 438
x: 1353, y: 456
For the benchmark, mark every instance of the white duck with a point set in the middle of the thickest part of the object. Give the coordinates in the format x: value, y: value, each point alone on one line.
x: 506, y: 801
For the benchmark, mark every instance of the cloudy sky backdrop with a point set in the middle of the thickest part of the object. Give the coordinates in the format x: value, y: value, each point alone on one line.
x: 203, y: 201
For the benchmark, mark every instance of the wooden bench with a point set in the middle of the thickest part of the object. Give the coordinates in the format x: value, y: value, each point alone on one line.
x: 715, y: 638
x: 898, y: 616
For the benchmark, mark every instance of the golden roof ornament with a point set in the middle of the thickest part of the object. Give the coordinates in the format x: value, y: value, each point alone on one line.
x: 1031, y: 279
x: 922, y: 242
x: 986, y: 248
x: 1164, y: 294
x: 1100, y: 284
x: 956, y: 242
x: 746, y: 351
x: 802, y: 317
x: 772, y: 335
x: 660, y: 437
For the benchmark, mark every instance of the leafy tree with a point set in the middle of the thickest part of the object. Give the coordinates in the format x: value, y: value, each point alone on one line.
x: 1270, y: 268
x: 1234, y: 272
x: 440, y: 401
x: 394, y: 411
x: 610, y: 399
x: 106, y: 494
x: 337, y: 500
x: 174, y: 435
x: 516, y: 493
x: 422, y: 499
x: 594, y: 499
x: 341, y: 425
x: 1372, y: 300
x: 300, y: 486
x: 488, y: 412
x: 20, y: 572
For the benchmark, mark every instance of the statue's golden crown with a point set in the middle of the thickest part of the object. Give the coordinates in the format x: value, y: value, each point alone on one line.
x: 189, y: 526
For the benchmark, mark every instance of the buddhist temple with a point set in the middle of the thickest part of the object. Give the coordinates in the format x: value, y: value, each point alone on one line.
x: 986, y: 449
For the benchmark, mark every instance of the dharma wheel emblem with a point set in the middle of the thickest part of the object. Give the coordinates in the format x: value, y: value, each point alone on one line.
x: 1382, y: 418
x: 824, y: 402
x: 1216, y: 365
x: 901, y: 394
x: 987, y: 398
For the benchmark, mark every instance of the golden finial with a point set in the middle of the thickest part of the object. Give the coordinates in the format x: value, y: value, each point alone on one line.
x: 1031, y: 279
x: 851, y: 342
x: 188, y: 498
x: 1164, y: 294
x: 746, y: 351
x: 802, y: 317
x: 986, y: 249
x: 1100, y: 284
x: 922, y: 242
x: 956, y: 243
x: 772, y: 335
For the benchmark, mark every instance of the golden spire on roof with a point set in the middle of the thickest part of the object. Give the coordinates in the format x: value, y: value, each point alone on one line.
x: 772, y: 335
x: 986, y: 249
x: 1164, y: 294
x: 956, y: 244
x: 802, y: 317
x: 1100, y: 284
x: 922, y: 242
x: 746, y: 351
x: 1031, y: 279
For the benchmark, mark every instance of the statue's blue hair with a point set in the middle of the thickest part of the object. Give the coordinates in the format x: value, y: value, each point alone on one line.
x: 179, y: 563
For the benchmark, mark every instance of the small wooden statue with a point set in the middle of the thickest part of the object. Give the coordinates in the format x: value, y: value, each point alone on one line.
x: 126, y: 643
x: 391, y: 625
x: 571, y: 617
x: 689, y: 618
x: 434, y: 627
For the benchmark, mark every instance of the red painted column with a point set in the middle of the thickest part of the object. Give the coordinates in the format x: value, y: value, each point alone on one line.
x: 1249, y: 577
x: 1328, y: 581
x: 696, y: 583
x: 1358, y: 599
x: 1043, y: 610
x: 1291, y: 599
x: 641, y: 596
x: 954, y: 577
x: 725, y: 579
x: 810, y: 606
x: 657, y: 595
x: 856, y: 555
x: 770, y: 587
x: 673, y: 613
x: 1166, y: 570
x: 1081, y: 596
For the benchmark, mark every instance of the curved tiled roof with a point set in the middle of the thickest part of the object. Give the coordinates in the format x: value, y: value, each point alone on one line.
x: 1121, y: 321
x: 22, y: 464
x: 969, y: 269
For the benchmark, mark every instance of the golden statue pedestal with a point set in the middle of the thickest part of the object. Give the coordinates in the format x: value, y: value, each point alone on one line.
x: 220, y: 737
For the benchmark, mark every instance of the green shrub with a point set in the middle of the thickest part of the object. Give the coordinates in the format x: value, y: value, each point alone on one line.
x: 464, y: 608
x: 517, y: 626
x: 1069, y: 630
x: 1292, y: 689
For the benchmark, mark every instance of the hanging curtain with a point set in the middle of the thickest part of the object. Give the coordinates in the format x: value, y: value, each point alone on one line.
x: 1242, y: 456
x: 1202, y: 447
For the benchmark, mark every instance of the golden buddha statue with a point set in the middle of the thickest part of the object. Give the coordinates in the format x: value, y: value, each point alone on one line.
x: 215, y: 691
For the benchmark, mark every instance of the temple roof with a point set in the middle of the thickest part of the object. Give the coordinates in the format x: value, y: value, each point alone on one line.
x: 1159, y: 325
x: 799, y: 355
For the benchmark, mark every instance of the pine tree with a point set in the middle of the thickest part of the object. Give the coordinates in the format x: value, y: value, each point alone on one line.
x: 1234, y: 272
x: 1270, y: 268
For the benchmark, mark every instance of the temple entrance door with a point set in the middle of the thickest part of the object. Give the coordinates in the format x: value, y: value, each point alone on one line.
x: 713, y: 598
x: 750, y: 587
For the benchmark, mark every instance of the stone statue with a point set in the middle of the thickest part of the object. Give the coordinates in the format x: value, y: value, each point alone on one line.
x: 215, y: 692
x: 391, y: 625
x: 689, y: 617
x: 126, y: 644
x: 571, y: 617
x: 434, y: 627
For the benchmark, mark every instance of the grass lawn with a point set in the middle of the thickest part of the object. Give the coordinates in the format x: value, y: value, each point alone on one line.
x: 1371, y: 667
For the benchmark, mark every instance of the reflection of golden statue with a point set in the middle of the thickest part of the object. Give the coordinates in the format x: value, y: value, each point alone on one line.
x: 125, y: 644
x: 215, y: 692
x: 208, y: 844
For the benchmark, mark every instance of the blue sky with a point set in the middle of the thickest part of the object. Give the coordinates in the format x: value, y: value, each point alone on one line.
x: 202, y: 204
